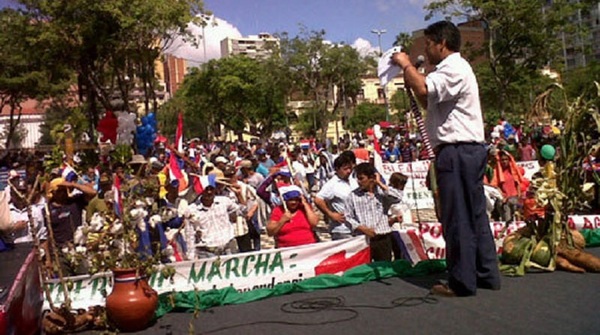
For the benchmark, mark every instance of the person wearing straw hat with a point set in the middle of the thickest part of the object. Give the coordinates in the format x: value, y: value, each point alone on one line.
x: 245, y: 197
x: 63, y: 214
x: 138, y: 165
x: 292, y: 224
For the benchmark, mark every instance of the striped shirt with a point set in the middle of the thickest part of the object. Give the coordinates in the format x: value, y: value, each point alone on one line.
x: 365, y: 209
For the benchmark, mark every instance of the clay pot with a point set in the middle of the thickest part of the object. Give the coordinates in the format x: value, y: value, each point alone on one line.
x: 132, y: 302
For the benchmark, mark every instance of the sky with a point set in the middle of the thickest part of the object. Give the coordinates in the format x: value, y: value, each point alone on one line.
x: 348, y: 21
x: 343, y: 20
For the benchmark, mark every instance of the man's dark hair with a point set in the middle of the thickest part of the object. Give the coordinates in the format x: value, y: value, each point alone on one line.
x: 398, y: 179
x: 444, y: 30
x: 348, y: 153
x: 365, y: 169
x: 342, y: 160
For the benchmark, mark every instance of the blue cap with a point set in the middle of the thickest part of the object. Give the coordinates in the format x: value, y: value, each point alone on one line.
x: 261, y: 151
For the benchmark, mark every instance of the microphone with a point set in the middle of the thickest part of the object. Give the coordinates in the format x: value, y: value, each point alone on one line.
x: 420, y: 61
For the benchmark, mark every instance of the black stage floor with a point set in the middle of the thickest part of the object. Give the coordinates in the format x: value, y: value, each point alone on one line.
x: 10, y: 264
x: 538, y: 303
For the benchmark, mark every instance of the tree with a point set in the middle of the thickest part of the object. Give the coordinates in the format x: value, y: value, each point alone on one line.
x: 521, y: 40
x: 112, y: 45
x: 326, y: 75
x: 24, y: 74
x: 404, y: 40
x: 243, y: 94
x: 400, y: 102
x: 365, y: 115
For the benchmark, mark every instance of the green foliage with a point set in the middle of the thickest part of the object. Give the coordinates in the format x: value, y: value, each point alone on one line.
x: 235, y: 91
x: 327, y: 75
x: 522, y: 39
x: 581, y: 81
x: 308, y: 122
x: 577, y: 143
x: 24, y: 74
x: 365, y: 115
x: 111, y: 45
x: 121, y: 154
x: 405, y: 40
x: 54, y: 160
x: 401, y: 103
x: 56, y: 117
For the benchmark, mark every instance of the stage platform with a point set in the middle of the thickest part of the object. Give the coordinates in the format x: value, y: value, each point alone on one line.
x: 538, y: 303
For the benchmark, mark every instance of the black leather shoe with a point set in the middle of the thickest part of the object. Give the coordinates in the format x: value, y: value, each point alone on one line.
x: 487, y: 286
x: 442, y: 290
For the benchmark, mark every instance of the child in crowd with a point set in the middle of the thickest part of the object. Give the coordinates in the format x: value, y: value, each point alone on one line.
x: 395, y: 205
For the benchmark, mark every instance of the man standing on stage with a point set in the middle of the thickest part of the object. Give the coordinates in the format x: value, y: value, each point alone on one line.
x: 455, y: 126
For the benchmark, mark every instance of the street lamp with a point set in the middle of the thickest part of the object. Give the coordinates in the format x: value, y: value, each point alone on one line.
x: 379, y: 32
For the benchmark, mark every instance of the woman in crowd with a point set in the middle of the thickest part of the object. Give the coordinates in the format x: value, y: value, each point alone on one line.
x: 292, y: 224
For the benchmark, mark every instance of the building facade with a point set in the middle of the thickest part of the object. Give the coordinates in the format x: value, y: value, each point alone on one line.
x: 253, y: 46
x: 31, y: 119
x: 580, y: 50
x: 473, y: 39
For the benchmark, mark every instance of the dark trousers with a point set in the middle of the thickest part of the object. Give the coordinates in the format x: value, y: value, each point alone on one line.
x: 244, y: 243
x: 381, y: 247
x: 470, y: 249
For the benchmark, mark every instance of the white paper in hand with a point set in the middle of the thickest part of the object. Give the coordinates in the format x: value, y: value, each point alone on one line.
x: 386, y: 69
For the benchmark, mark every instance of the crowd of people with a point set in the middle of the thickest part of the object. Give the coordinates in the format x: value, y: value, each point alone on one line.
x: 213, y: 199
x: 260, y: 187
x: 216, y: 198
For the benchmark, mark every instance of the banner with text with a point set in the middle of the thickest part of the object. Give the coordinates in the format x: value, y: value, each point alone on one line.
x: 425, y: 241
x: 244, y: 271
x: 416, y: 193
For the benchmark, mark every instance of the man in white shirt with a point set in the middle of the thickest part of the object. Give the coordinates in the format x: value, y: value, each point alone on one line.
x: 455, y: 126
x: 19, y: 231
x: 209, y: 218
x: 331, y: 198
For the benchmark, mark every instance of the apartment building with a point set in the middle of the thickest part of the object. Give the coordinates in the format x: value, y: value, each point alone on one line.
x: 253, y: 46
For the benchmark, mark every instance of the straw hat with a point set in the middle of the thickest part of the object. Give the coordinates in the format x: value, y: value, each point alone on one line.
x: 137, y: 159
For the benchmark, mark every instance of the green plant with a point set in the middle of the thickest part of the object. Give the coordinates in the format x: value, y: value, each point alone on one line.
x: 121, y: 153
x: 561, y: 189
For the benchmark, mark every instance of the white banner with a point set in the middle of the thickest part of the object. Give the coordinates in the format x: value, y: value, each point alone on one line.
x: 416, y: 193
x: 243, y: 271
x: 430, y: 237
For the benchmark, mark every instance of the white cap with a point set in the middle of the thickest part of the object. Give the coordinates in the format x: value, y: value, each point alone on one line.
x: 221, y: 159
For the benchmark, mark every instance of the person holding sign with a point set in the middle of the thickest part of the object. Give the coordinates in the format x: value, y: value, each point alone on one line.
x: 455, y: 127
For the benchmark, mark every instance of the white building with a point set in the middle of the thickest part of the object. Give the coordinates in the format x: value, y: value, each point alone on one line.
x: 253, y: 46
x: 32, y: 117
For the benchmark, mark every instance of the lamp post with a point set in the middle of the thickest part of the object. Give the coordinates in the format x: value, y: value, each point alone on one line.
x: 379, y: 32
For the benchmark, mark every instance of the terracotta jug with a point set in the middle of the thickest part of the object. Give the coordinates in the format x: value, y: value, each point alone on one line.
x: 132, y: 302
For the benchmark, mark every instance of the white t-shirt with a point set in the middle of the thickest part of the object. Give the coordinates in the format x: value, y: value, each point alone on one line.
x: 334, y: 192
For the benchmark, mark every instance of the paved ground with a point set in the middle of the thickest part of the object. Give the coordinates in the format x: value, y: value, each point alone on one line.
x: 538, y: 303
